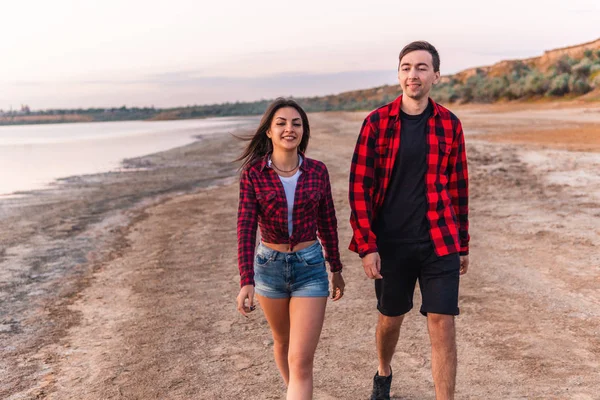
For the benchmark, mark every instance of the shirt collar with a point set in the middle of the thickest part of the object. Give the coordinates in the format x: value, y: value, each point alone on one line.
x: 396, y: 106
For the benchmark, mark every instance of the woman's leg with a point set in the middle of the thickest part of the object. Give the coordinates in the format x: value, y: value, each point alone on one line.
x: 277, y: 312
x: 306, y: 321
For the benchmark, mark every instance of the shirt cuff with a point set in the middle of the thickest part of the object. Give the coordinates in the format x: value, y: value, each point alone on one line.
x: 335, y: 265
x: 247, y: 279
x: 371, y: 249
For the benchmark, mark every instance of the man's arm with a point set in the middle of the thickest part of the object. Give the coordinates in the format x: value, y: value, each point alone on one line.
x: 458, y: 186
x: 361, y: 188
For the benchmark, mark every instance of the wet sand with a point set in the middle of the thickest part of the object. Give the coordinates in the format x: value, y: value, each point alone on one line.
x: 122, y: 285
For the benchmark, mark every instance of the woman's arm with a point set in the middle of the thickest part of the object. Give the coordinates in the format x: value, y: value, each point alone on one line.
x: 247, y: 223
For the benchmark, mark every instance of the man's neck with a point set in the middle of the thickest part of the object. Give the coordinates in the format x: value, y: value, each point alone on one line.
x: 413, y: 106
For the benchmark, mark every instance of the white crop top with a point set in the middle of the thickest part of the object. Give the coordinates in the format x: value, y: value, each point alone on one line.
x: 289, y: 185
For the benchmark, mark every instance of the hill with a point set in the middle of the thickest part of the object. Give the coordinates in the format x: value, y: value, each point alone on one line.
x: 569, y: 72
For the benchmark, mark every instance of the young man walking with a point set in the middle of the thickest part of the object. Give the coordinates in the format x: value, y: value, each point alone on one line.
x: 409, y: 202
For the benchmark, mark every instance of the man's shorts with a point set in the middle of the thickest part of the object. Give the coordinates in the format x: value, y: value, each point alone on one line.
x: 405, y: 263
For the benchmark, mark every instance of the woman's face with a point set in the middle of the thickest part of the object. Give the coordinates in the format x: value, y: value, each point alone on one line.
x: 286, y: 129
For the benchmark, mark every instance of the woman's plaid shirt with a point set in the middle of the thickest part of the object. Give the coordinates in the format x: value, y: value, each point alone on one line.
x: 446, y: 178
x: 263, y: 203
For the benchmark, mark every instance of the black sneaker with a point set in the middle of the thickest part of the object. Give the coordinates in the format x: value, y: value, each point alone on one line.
x: 381, y: 386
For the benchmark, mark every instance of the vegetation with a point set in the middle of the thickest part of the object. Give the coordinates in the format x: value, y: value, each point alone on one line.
x: 518, y: 80
x: 566, y: 77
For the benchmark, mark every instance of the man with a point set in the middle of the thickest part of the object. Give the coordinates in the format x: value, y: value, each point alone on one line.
x: 409, y: 201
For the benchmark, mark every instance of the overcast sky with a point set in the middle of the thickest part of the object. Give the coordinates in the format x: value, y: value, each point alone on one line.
x: 66, y: 53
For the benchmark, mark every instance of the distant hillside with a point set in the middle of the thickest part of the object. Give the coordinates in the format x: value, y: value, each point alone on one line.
x: 567, y: 72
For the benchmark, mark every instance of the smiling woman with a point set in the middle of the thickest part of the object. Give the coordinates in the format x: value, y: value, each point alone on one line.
x: 289, y: 197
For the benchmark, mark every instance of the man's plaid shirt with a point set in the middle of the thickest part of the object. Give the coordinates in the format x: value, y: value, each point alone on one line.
x: 446, y: 178
x: 263, y: 203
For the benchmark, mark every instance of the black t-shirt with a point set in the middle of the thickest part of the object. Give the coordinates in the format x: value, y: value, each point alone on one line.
x: 402, y: 218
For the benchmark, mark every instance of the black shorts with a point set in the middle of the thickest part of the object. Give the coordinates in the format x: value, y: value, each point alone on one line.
x: 401, y: 266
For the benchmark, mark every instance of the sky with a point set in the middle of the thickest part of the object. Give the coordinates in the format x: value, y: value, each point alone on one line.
x: 81, y: 53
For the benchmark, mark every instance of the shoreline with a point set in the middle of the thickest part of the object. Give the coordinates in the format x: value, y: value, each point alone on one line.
x: 54, y: 240
x: 42, y: 159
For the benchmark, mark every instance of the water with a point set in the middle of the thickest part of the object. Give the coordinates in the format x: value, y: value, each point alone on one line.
x: 34, y: 156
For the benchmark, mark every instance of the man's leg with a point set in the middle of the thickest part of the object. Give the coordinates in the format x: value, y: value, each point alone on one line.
x: 387, y: 334
x: 443, y: 354
x: 394, y: 299
x: 439, y: 281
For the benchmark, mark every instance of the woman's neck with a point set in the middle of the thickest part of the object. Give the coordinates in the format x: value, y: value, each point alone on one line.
x: 285, y: 161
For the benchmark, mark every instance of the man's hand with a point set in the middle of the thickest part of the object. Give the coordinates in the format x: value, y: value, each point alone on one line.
x: 464, y: 264
x: 372, y: 265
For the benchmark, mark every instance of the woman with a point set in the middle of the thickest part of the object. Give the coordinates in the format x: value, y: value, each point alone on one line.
x: 289, y: 197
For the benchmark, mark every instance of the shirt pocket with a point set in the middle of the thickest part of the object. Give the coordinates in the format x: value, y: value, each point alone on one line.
x: 445, y: 148
x: 268, y: 202
x: 310, y: 201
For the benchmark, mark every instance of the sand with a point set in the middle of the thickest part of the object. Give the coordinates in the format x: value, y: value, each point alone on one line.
x: 123, y: 285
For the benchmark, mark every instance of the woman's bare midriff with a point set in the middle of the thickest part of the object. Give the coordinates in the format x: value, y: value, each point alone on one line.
x: 285, y: 247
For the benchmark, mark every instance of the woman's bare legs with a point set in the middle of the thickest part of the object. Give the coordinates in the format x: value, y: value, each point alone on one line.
x: 278, y: 316
x: 306, y: 321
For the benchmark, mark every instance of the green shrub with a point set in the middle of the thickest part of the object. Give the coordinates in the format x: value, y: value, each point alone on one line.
x: 559, y: 85
x: 535, y: 84
x: 563, y: 65
x: 582, y: 68
x: 578, y: 85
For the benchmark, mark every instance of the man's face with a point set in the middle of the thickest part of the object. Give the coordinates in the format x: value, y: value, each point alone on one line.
x: 416, y: 75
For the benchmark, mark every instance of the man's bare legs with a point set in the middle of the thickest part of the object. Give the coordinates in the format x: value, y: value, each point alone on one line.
x: 387, y: 334
x: 442, y: 334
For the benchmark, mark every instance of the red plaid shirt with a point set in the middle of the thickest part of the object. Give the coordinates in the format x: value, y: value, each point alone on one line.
x: 263, y: 203
x: 446, y: 178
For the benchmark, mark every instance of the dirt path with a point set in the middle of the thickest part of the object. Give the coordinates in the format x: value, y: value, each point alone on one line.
x: 158, y: 320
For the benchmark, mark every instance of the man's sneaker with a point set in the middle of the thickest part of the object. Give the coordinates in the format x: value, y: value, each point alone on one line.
x: 381, y: 386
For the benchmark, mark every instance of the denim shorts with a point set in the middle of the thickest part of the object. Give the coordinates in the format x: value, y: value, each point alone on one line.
x: 280, y: 275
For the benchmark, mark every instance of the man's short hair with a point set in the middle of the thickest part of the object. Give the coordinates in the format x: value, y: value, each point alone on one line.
x: 421, y: 45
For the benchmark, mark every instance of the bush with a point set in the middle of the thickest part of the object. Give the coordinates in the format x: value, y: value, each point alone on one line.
x: 594, y: 79
x: 535, y: 84
x: 559, y: 85
x: 445, y: 93
x: 563, y: 65
x: 578, y: 85
x: 582, y: 68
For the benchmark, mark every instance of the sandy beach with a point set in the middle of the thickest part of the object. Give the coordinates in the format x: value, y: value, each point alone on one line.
x: 122, y: 285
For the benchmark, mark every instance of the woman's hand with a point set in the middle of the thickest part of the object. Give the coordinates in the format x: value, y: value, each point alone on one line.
x: 337, y: 285
x: 246, y: 292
